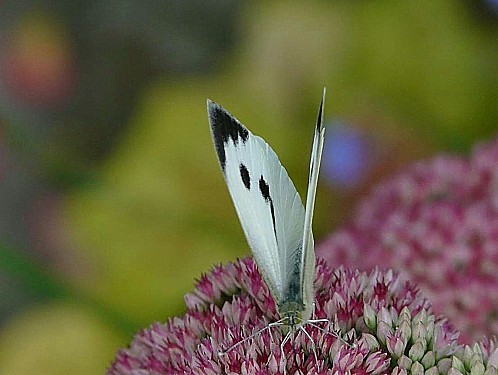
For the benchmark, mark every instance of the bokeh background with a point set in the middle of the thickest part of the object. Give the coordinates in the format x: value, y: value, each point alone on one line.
x: 111, y: 198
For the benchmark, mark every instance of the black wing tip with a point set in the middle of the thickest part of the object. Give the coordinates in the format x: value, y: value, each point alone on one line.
x: 213, y: 108
x: 224, y: 127
x: 210, y: 104
x: 319, y: 121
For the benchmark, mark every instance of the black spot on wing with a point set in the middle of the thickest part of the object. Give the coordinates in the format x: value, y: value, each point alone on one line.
x: 265, y: 192
x: 244, y: 174
x: 265, y: 189
x: 224, y: 127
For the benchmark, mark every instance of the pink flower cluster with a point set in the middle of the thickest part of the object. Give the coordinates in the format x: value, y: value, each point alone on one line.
x: 388, y: 327
x: 436, y: 223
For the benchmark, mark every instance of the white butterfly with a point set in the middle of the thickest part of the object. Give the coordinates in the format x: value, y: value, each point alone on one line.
x: 275, y: 223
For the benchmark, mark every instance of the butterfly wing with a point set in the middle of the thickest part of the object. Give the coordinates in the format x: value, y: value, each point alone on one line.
x: 308, y: 254
x: 267, y: 203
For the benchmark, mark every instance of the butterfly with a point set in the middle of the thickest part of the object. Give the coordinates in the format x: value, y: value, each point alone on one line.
x: 277, y: 226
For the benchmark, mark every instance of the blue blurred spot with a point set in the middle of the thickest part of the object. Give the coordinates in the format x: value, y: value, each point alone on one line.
x: 346, y: 156
x: 493, y: 4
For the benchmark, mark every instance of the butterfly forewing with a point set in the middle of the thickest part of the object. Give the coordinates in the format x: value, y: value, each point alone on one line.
x: 267, y: 203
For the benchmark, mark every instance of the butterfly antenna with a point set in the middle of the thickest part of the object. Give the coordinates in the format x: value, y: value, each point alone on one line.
x: 258, y: 332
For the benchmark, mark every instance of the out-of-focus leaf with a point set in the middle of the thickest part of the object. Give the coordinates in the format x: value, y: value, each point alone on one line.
x: 57, y: 339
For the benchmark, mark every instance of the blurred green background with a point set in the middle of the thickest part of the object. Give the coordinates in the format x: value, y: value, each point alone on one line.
x: 111, y: 198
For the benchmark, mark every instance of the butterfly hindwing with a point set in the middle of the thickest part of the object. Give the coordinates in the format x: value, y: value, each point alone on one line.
x: 267, y: 203
x: 308, y: 253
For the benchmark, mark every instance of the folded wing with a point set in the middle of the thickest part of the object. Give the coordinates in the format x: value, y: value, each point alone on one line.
x: 267, y: 203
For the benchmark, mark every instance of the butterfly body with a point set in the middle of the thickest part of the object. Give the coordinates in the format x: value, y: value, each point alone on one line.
x: 276, y: 224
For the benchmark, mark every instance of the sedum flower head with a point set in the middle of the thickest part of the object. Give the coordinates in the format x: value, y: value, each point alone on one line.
x: 386, y: 323
x: 478, y: 359
x: 437, y: 224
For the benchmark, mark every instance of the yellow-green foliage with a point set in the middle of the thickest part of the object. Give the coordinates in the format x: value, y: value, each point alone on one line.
x: 57, y: 339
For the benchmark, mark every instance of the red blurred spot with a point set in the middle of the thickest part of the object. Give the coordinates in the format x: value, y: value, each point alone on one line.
x: 37, y: 64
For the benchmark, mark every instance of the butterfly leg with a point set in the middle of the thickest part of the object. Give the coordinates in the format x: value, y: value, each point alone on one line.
x: 313, y: 346
x: 284, y: 341
x: 258, y: 332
